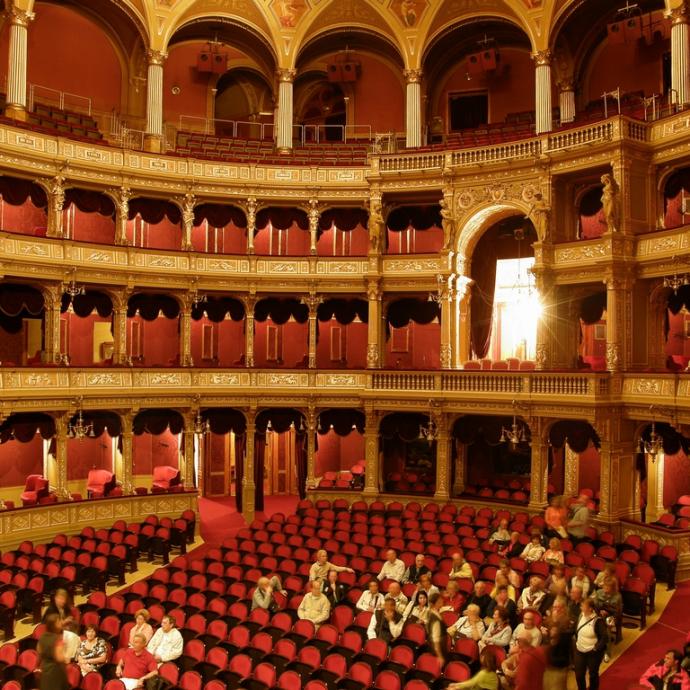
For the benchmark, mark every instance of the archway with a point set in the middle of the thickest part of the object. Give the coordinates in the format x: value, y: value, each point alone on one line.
x: 153, y: 330
x: 281, y: 333
x: 342, y: 328
x: 22, y: 324
x: 217, y: 332
x: 23, y: 206
x: 339, y: 459
x: 86, y: 328
x: 244, y: 105
x: 158, y: 448
x: 88, y: 216
x: 343, y: 232
x: 154, y: 224
x: 219, y: 229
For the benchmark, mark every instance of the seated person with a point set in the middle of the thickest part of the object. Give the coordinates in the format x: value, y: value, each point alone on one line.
x: 501, y: 598
x: 470, y: 625
x: 499, y: 632
x: 502, y: 581
x: 263, y: 595
x: 554, y: 554
x: 141, y: 626
x: 511, y: 575
x: 480, y: 597
x: 395, y: 594
x: 425, y: 585
x: 137, y: 665
x: 667, y: 673
x: 557, y: 618
x: 386, y: 624
x: 371, y: 599
x: 320, y: 569
x: 335, y: 591
x: 417, y: 610
x: 70, y: 641
x: 534, y: 551
x: 609, y: 572
x: 166, y: 643
x: 416, y: 570
x: 92, y: 652
x: 532, y: 596
x: 459, y: 567
x: 485, y: 679
x: 315, y: 606
x: 528, y: 629
x: 510, y: 664
x: 393, y: 568
x: 580, y: 579
x: 453, y: 600
x: 501, y: 536
x: 513, y: 548
x: 60, y: 605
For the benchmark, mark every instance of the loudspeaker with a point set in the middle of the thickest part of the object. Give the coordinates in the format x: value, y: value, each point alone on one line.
x: 632, y: 29
x: 220, y: 63
x: 335, y: 71
x: 616, y: 33
x: 350, y: 71
x: 474, y: 63
x: 204, y: 62
x: 489, y: 60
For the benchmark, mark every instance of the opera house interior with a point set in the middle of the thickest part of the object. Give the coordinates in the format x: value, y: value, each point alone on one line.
x: 345, y: 344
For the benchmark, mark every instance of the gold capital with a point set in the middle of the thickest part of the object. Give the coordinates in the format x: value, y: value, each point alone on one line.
x: 413, y: 76
x: 542, y: 58
x: 286, y: 75
x: 156, y: 57
x: 678, y: 15
x: 19, y: 17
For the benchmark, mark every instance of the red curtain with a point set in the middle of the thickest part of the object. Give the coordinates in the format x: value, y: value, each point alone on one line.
x: 345, y: 219
x: 281, y: 218
x: 154, y: 210
x: 88, y: 201
x: 592, y: 222
x: 219, y: 215
x: 15, y: 192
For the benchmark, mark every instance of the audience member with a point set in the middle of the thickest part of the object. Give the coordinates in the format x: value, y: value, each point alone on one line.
x: 609, y: 604
x: 459, y: 567
x: 532, y: 596
x: 579, y: 520
x: 556, y: 618
x: 395, y: 594
x: 575, y: 599
x: 666, y: 674
x: 417, y: 610
x: 320, y: 569
x: 554, y: 554
x: 315, y: 606
x: 141, y: 627
x: 51, y: 655
x: 499, y: 632
x: 528, y: 628
x: 371, y: 599
x: 501, y: 599
x: 557, y: 582
x: 534, y: 551
x: 501, y: 535
x: 436, y: 634
x: 137, y: 664
x: 609, y: 572
x: 92, y: 652
x: 387, y: 623
x: 590, y: 643
x: 485, y: 679
x: 335, y: 591
x: 480, y: 597
x: 511, y: 575
x: 502, y: 581
x: 166, y: 643
x: 513, y: 548
x: 416, y: 570
x: 511, y: 663
x: 425, y: 585
x: 393, y: 568
x: 555, y: 517
x: 470, y: 625
x: 580, y: 579
x: 70, y: 641
x: 453, y: 600
x: 263, y: 595
x: 60, y: 605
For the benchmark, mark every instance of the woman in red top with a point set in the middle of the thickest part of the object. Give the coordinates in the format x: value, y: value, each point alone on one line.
x: 555, y: 517
x: 667, y: 673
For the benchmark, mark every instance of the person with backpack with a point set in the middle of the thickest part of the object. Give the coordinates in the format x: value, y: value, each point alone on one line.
x: 591, y: 638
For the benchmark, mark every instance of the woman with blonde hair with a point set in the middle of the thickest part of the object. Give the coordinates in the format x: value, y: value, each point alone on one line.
x: 141, y: 627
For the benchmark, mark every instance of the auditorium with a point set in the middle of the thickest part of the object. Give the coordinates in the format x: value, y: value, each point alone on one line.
x: 344, y: 344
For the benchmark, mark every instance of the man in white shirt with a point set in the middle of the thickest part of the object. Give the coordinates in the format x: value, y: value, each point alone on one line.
x: 393, y: 568
x: 532, y: 596
x: 319, y: 570
x: 527, y: 629
x: 70, y: 642
x: 386, y: 624
x: 315, y: 606
x: 395, y: 593
x: 372, y: 599
x: 166, y: 643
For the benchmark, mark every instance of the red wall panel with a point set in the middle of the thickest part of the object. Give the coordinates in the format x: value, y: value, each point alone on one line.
x: 89, y: 454
x: 25, y: 219
x: 19, y: 460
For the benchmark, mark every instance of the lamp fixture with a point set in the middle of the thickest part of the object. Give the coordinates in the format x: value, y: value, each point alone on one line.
x: 516, y: 434
x: 79, y: 429
x: 201, y: 427
x: 429, y: 432
x: 438, y: 295
x: 676, y: 282
x: 655, y: 445
x: 73, y: 290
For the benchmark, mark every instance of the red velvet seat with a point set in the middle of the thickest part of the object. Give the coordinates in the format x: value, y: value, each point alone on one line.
x: 100, y: 483
x: 36, y: 488
x: 165, y: 478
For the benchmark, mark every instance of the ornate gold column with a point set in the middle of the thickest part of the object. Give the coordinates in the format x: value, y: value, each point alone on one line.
x: 52, y: 295
x: 186, y: 330
x: 122, y: 197
x: 314, y: 215
x: 571, y: 462
x: 680, y: 54
x: 463, y: 297
x: 17, y: 62
x: 443, y: 455
x: 539, y: 474
x: 545, y: 286
x: 251, y: 223
x: 187, y: 221
x: 61, y: 422
x: 188, y: 439
x: 413, y: 108
x: 153, y: 139
x: 248, y: 485
x: 56, y: 201
x: 311, y: 445
x: 374, y: 345
x: 618, y: 322
x: 543, y: 119
x: 127, y: 456
x: 120, y: 355
x: 566, y: 100
x: 460, y: 468
x: 447, y: 303
x: 312, y: 301
x: 249, y: 304
x: 371, y: 449
x: 286, y: 77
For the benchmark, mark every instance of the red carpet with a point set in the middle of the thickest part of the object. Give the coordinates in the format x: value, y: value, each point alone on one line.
x: 668, y: 632
x: 219, y: 517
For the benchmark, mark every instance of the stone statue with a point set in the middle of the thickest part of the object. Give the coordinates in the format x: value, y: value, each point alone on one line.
x: 539, y: 215
x: 187, y: 220
x: 610, y: 202
x: 375, y: 225
x: 447, y: 222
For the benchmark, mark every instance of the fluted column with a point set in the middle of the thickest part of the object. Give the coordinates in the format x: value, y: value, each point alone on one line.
x: 312, y: 301
x: 539, y: 474
x: 566, y: 101
x: 286, y: 77
x: 51, y: 326
x: 251, y: 223
x: 543, y: 119
x: 188, y: 440
x: 680, y: 55
x: 127, y: 439
x: 311, y: 446
x: 153, y: 140
x: 460, y: 468
x: 545, y: 324
x: 187, y: 221
x: 249, y: 304
x: 186, y: 331
x: 374, y: 326
x: 413, y: 108
x: 443, y: 455
x: 618, y: 322
x: 248, y: 485
x: 56, y: 202
x: 447, y: 297
x: 122, y: 197
x: 371, y: 450
x: 61, y: 422
x: 314, y: 215
x: 16, y: 69
x: 655, y: 487
x: 120, y: 330
x: 571, y: 463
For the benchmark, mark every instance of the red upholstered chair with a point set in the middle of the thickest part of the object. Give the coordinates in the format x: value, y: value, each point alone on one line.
x: 36, y: 488
x: 165, y: 478
x: 100, y: 483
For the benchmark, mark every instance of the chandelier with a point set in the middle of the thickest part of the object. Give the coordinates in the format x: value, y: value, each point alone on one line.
x: 73, y: 290
x: 676, y: 282
x: 79, y: 429
x: 516, y: 434
x: 429, y: 432
x: 200, y: 426
x: 437, y: 296
x: 655, y: 445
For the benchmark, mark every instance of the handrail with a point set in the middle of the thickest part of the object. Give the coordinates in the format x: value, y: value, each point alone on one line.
x: 62, y: 97
x: 230, y: 128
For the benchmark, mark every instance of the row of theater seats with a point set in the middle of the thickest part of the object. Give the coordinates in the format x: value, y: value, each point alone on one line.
x: 352, y: 479
x: 679, y: 517
x: 75, y: 125
x: 410, y: 482
x: 511, y: 364
x: 213, y: 147
x: 226, y: 645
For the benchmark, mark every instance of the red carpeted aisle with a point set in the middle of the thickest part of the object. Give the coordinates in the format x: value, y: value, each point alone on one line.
x: 668, y: 632
x: 219, y: 517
